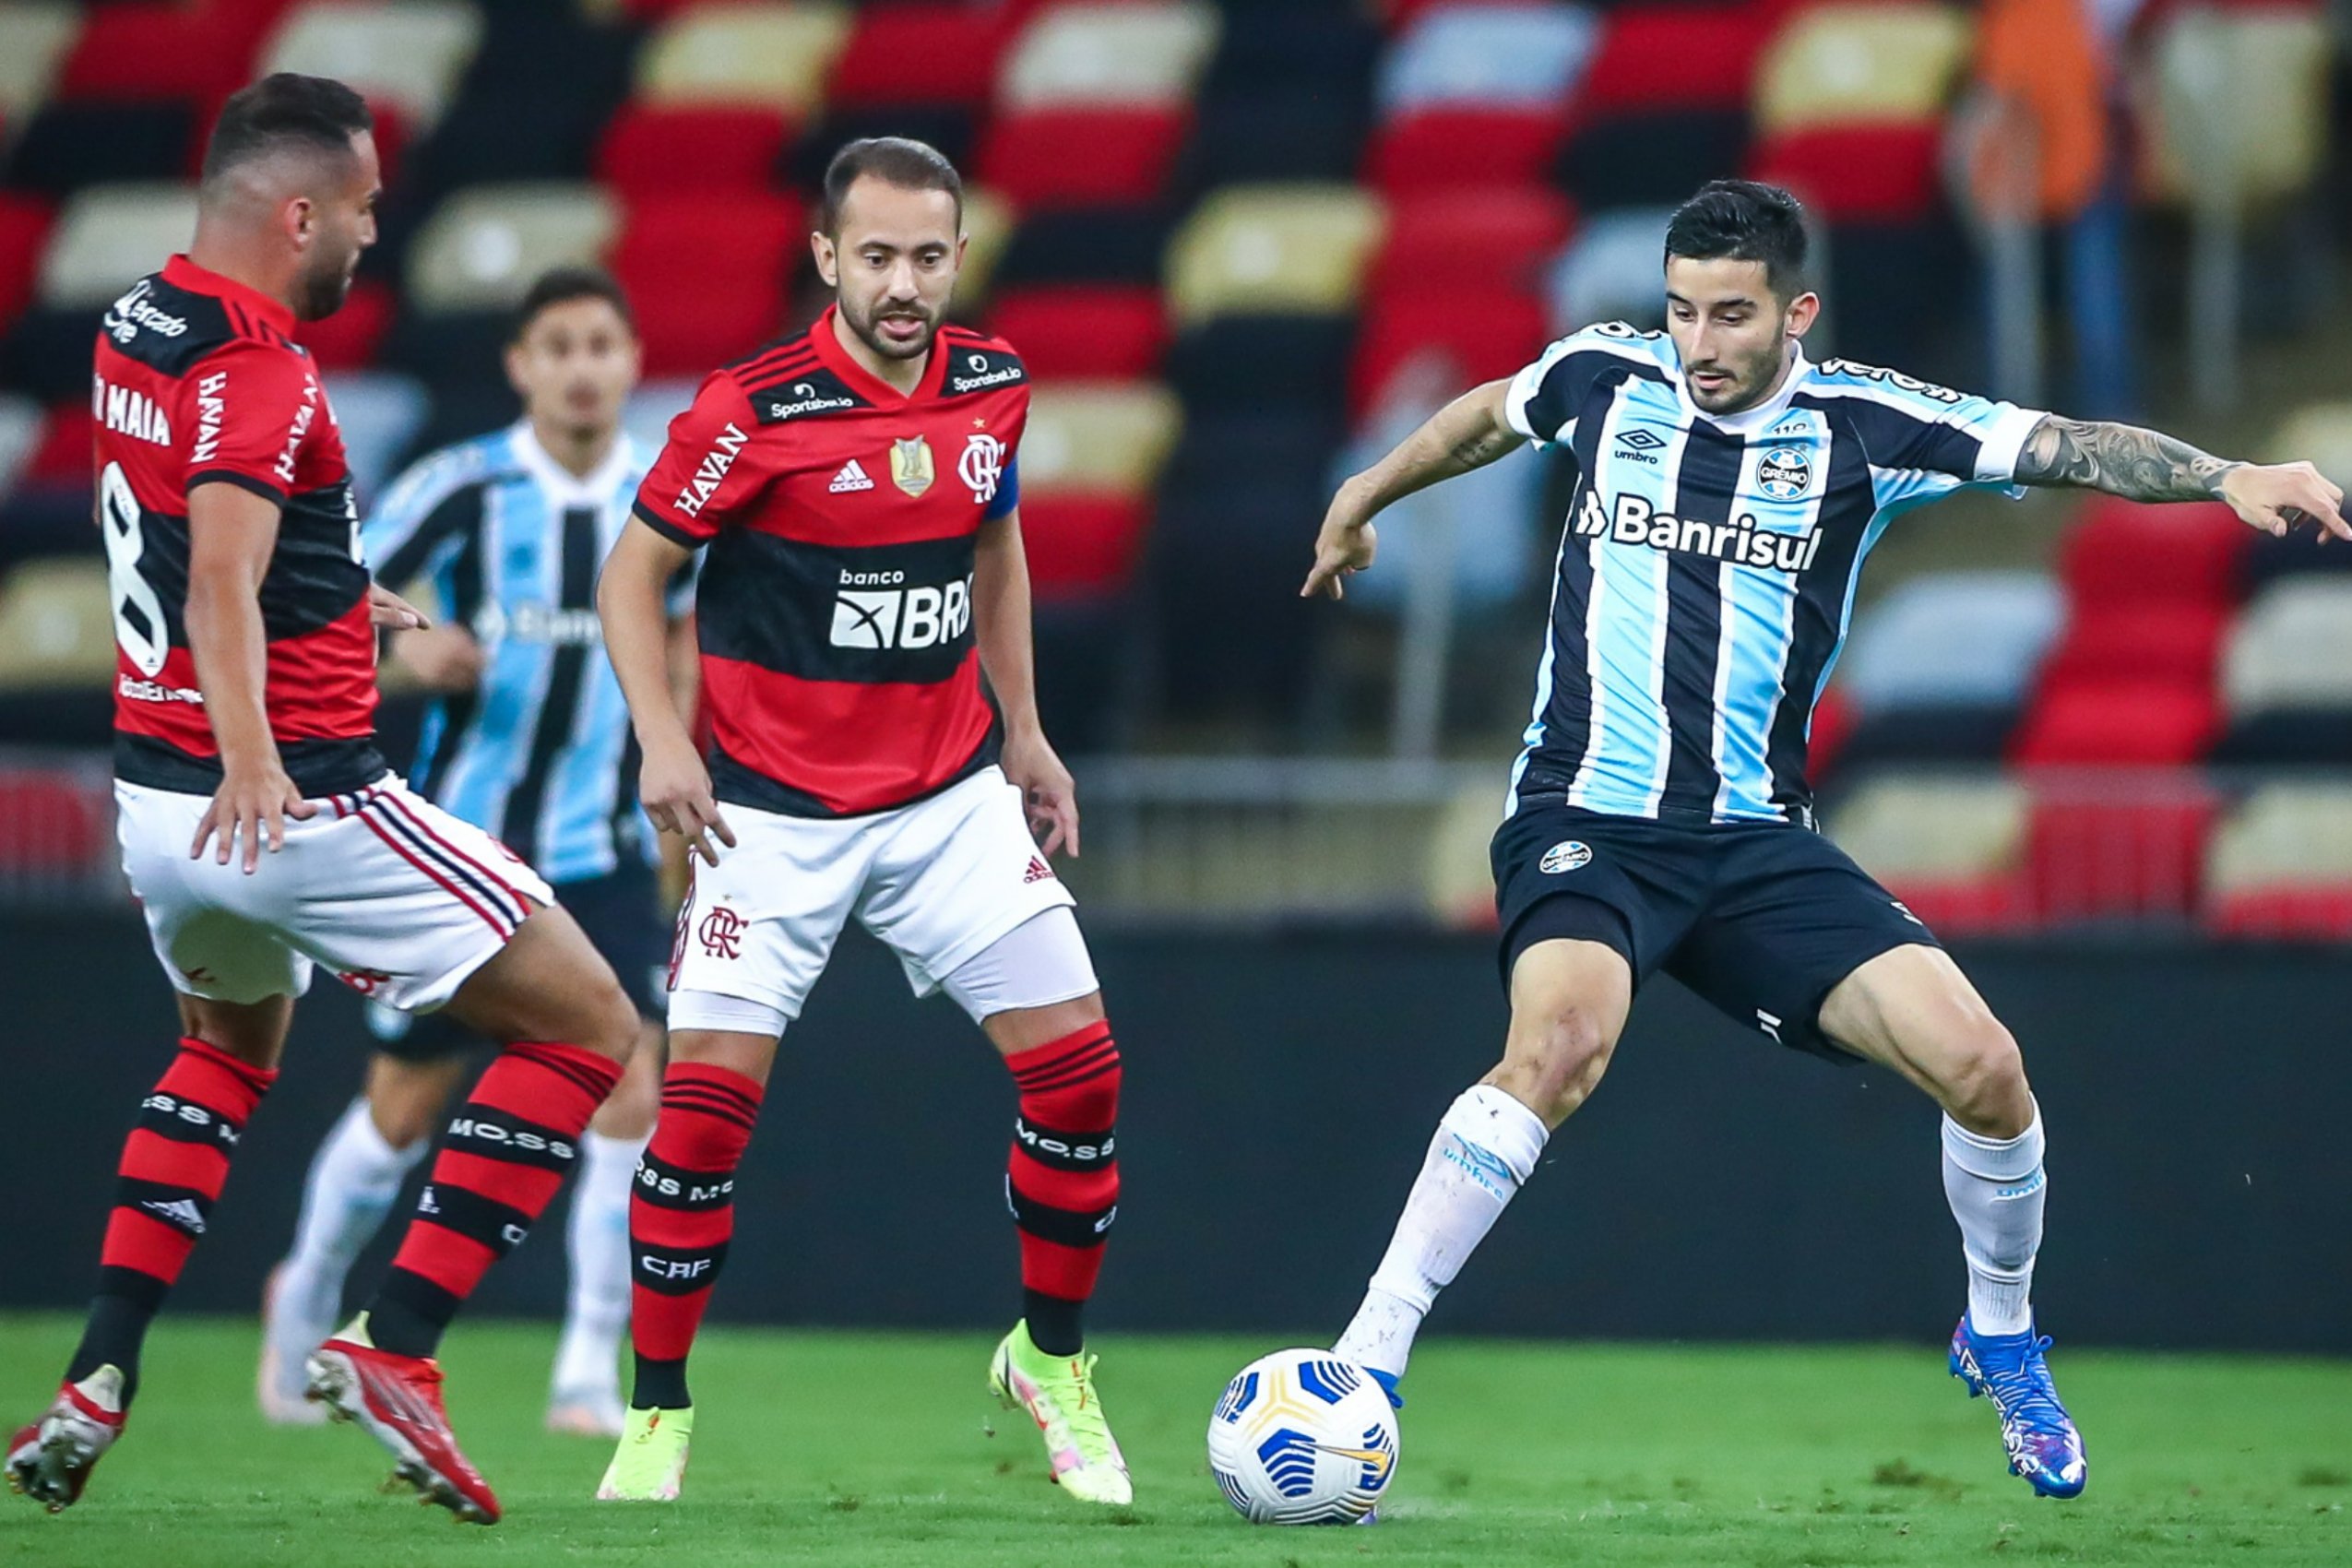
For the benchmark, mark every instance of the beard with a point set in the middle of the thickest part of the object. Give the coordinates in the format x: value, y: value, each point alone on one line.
x: 867, y: 324
x: 323, y: 289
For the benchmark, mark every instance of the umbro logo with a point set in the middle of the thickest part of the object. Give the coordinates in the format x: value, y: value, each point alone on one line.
x: 852, y: 476
x: 1640, y: 439
x: 1038, y: 871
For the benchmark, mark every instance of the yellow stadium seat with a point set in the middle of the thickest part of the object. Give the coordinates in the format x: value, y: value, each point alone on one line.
x: 1128, y: 52
x: 2280, y: 652
x: 1843, y: 64
x: 480, y: 248
x: 109, y: 236
x: 1101, y: 437
x: 2320, y: 434
x: 1931, y: 827
x: 2241, y: 100
x: 1272, y: 249
x: 19, y: 434
x: 2285, y: 834
x: 56, y: 625
x: 409, y: 53
x: 34, y: 36
x: 774, y: 55
x: 988, y: 222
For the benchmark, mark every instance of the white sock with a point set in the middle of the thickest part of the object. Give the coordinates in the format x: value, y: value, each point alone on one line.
x: 595, y: 1310
x: 1996, y: 1188
x: 354, y: 1180
x: 1486, y: 1146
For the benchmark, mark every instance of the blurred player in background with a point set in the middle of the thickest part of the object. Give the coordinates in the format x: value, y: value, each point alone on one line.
x: 260, y: 827
x: 857, y: 488
x: 528, y: 738
x: 1660, y: 818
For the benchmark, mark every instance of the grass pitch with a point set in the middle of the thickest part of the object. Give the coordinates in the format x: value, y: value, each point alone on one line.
x: 869, y: 1449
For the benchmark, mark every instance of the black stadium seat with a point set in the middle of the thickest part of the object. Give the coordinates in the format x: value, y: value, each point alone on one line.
x: 67, y: 146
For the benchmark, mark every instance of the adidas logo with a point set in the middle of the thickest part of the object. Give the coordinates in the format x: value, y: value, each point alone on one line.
x: 1038, y: 871
x: 182, y: 1212
x: 851, y: 477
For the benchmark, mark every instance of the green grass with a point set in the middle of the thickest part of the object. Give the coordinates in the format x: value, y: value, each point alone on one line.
x: 869, y: 1449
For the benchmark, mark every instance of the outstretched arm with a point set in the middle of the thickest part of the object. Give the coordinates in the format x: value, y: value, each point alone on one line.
x: 1468, y: 432
x: 2147, y: 465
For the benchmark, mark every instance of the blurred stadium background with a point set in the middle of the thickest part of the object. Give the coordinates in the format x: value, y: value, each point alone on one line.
x: 2107, y: 750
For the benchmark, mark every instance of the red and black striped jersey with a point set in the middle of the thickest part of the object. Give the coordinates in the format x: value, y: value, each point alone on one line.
x: 839, y: 668
x: 197, y: 381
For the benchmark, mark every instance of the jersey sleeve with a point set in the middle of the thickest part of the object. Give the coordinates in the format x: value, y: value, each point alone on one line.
x: 1008, y: 499
x: 430, y: 516
x: 1546, y: 397
x: 701, y: 480
x: 251, y: 405
x: 1926, y: 440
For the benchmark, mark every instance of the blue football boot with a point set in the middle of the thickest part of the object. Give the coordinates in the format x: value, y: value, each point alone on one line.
x: 2011, y: 1370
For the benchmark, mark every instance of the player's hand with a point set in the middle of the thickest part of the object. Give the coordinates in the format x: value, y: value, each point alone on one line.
x: 675, y: 788
x: 443, y: 659
x: 253, y: 802
x: 2274, y: 497
x: 1345, y: 547
x: 390, y: 610
x: 1049, y: 794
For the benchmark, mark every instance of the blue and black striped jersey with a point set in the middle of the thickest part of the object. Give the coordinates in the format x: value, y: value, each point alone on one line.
x: 1708, y: 567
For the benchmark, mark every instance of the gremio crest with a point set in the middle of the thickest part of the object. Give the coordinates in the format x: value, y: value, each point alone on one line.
x: 912, y: 468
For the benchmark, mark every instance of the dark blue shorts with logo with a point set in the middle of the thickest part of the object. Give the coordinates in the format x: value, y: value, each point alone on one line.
x: 1762, y: 920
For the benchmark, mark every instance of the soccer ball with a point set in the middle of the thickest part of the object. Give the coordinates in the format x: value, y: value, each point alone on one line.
x: 1302, y: 1437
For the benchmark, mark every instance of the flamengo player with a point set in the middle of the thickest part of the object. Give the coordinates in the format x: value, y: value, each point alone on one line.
x: 1659, y: 817
x: 856, y: 487
x: 260, y: 827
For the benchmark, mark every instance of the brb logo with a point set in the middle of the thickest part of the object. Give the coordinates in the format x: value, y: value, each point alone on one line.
x: 982, y: 466
x: 723, y: 933
x: 874, y: 610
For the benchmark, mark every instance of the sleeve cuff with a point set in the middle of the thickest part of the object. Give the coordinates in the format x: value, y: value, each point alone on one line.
x: 1522, y: 393
x: 267, y: 489
x: 666, y: 529
x: 2004, y: 443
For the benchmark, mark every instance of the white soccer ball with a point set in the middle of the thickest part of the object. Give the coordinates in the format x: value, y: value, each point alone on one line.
x: 1302, y: 1437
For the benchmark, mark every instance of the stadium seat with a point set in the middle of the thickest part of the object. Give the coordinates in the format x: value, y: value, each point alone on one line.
x: 990, y: 226
x: 69, y: 145
x: 657, y: 401
x: 482, y: 248
x: 406, y: 52
x: 2118, y: 848
x: 1081, y: 546
x: 35, y: 36
x: 1272, y: 249
x: 2122, y: 722
x: 707, y: 274
x: 1083, y: 331
x: 379, y: 414
x: 110, y: 235
x: 64, y: 454
x: 1330, y: 52
x: 1951, y: 640
x: 1123, y: 245
x: 1131, y: 52
x: 2319, y: 434
x: 1654, y: 57
x: 19, y: 434
x: 1482, y: 525
x: 54, y: 824
x: 1861, y: 60
x: 775, y: 56
x: 2281, y: 863
x: 1613, y: 270
x: 920, y: 53
x: 1262, y: 362
x: 1528, y: 54
x: 1449, y: 148
x: 349, y: 340
x: 1878, y: 173
x: 450, y: 351
x: 24, y: 230
x: 1471, y: 336
x: 648, y: 150
x: 1951, y: 846
x: 1505, y: 236
x: 1251, y: 136
x: 2284, y: 651
x: 2211, y: 65
x: 157, y: 50
x: 1097, y: 438
x: 2122, y: 551
x: 2162, y: 641
x: 1082, y: 157
x: 1650, y: 158
x: 56, y: 625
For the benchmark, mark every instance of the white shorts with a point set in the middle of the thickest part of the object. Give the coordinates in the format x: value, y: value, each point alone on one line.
x: 400, y: 900
x: 939, y: 881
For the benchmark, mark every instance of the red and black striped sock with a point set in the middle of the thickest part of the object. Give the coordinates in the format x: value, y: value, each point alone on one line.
x: 173, y: 1164
x: 681, y: 1216
x: 500, y: 1163
x: 1062, y: 1180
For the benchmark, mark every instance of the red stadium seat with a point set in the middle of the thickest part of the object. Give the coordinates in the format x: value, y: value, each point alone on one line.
x: 348, y: 340
x: 2122, y: 722
x: 1833, y: 722
x: 1082, y: 547
x: 1482, y: 338
x: 1993, y: 905
x: 2089, y: 855
x: 2321, y: 913
x: 1435, y: 238
x: 2123, y: 551
x: 1675, y: 56
x: 708, y: 275
x: 1858, y: 174
x: 66, y: 454
x: 2166, y: 641
x: 49, y: 824
x: 1072, y: 158
x: 650, y: 150
x: 1445, y: 149
x: 142, y: 52
x: 24, y: 226
x: 1084, y: 330
x: 923, y: 53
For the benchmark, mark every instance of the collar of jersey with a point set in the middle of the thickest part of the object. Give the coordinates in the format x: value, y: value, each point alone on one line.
x: 1747, y: 421
x: 181, y: 273
x: 870, y: 387
x: 566, y: 488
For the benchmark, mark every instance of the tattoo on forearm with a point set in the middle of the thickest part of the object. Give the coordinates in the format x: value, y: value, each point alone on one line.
x: 2122, y: 460
x: 1483, y: 448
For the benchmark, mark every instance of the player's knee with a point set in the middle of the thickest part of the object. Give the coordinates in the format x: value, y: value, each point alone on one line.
x: 612, y: 1020
x: 1981, y: 1075
x: 1556, y: 1057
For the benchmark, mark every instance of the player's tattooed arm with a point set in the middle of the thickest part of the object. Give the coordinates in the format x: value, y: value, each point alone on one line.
x: 2122, y: 460
x: 2146, y: 465
x: 1468, y: 432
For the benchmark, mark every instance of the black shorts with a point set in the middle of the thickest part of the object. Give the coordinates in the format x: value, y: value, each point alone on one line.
x: 621, y: 915
x: 1762, y: 920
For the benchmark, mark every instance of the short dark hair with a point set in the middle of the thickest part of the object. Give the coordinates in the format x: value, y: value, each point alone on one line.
x: 560, y: 285
x: 283, y: 111
x: 1743, y: 220
x: 902, y: 162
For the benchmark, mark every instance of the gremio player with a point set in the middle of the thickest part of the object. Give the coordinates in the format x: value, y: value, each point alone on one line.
x: 526, y: 737
x: 856, y: 491
x: 260, y: 827
x: 1728, y: 489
